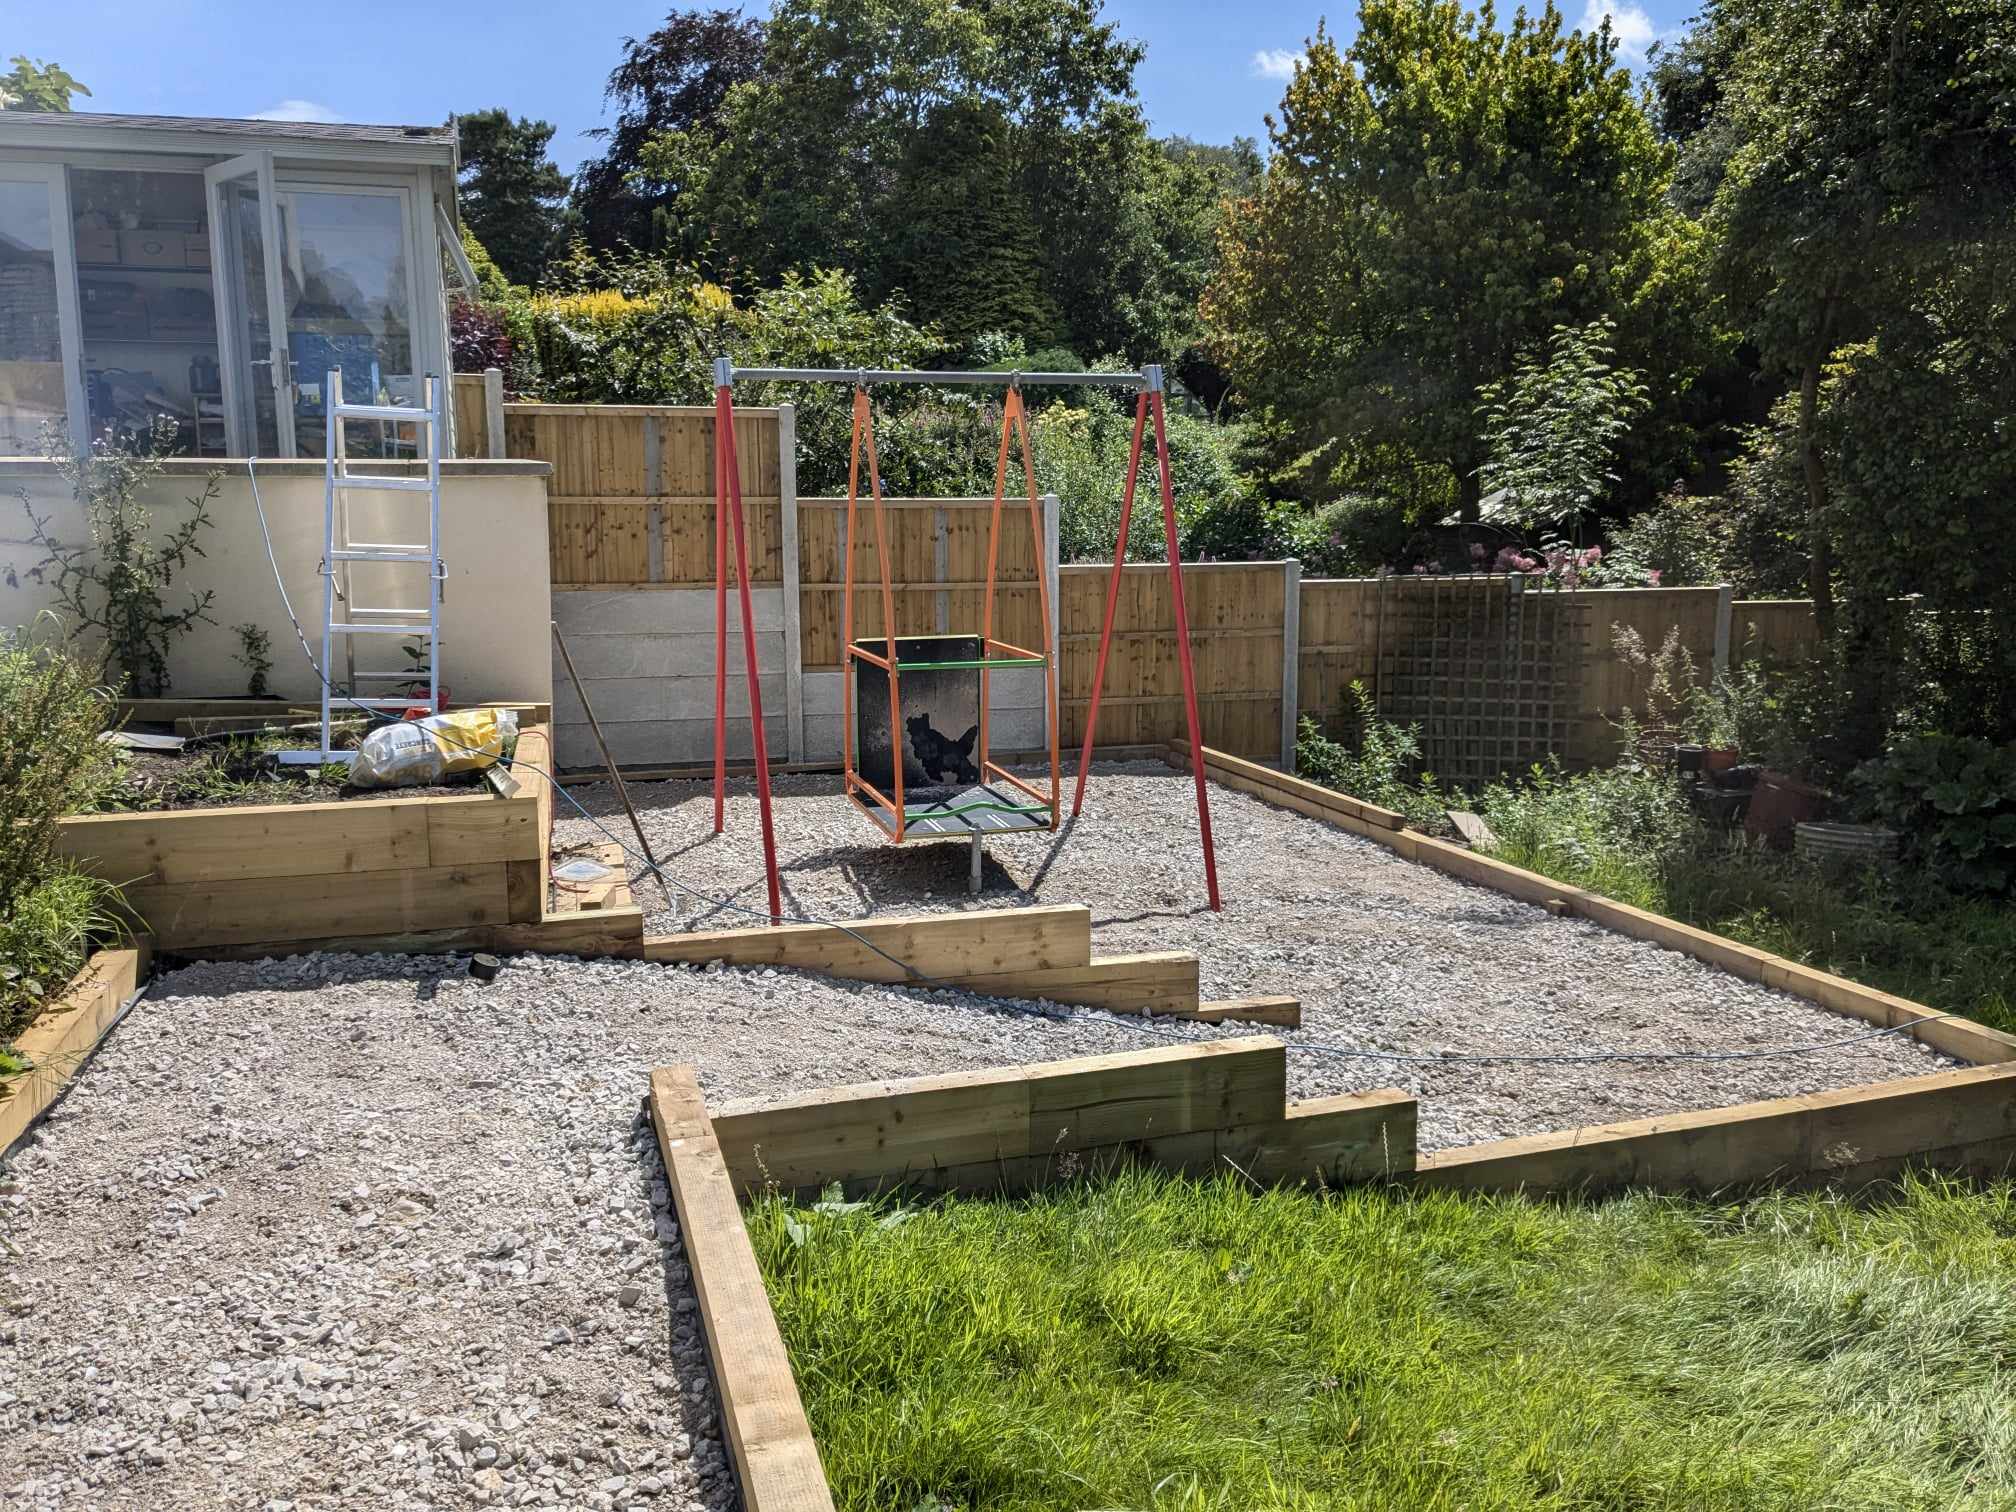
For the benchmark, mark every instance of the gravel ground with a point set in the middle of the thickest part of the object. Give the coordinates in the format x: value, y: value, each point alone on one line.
x: 1386, y: 955
x: 364, y: 1231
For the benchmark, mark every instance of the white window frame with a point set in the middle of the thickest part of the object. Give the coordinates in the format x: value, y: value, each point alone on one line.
x: 55, y: 181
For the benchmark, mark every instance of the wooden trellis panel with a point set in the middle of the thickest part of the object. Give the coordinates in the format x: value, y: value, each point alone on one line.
x: 1489, y: 668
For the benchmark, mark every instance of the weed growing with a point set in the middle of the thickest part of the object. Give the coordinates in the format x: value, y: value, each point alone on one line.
x: 1157, y: 1343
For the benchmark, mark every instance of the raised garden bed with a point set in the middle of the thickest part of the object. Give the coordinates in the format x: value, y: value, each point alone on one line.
x: 289, y: 872
x: 57, y: 1043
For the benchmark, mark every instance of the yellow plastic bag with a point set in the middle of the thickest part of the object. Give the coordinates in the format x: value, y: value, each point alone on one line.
x: 423, y: 751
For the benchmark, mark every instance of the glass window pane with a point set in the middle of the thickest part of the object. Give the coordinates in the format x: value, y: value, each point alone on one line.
x: 146, y: 304
x: 345, y: 265
x: 31, y: 341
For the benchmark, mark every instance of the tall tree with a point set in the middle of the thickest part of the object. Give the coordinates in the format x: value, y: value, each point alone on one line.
x: 673, y: 81
x: 35, y: 85
x: 1873, y: 142
x: 513, y: 198
x: 806, y: 162
x: 1441, y: 195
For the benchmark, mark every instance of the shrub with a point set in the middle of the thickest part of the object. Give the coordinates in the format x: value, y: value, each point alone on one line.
x: 1376, y: 760
x: 1613, y: 830
x: 1953, y: 800
x: 52, y: 763
x: 117, y: 583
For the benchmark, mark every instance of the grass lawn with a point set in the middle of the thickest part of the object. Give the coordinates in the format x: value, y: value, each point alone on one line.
x: 1152, y: 1342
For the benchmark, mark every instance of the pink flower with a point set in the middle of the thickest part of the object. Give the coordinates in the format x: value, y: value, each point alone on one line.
x: 1653, y: 577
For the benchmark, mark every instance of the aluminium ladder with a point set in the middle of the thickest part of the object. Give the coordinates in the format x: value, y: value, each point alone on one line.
x: 339, y: 552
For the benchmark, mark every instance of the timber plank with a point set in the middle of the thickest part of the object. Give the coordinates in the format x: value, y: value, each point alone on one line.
x: 776, y: 1459
x: 611, y: 932
x: 1109, y: 1099
x: 1216, y: 762
x: 57, y: 1043
x: 1158, y: 981
x: 1281, y: 1012
x: 484, y: 827
x: 267, y: 840
x: 954, y: 945
x: 330, y: 906
x: 1955, y: 1118
x: 976, y: 1125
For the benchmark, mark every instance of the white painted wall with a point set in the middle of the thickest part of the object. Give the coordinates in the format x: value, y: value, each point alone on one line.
x: 498, y: 600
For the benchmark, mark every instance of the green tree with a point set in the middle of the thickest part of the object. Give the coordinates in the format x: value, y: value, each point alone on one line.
x: 811, y: 161
x: 1872, y: 165
x: 513, y: 198
x: 966, y: 247
x: 1552, y: 427
x: 1442, y: 194
x: 672, y: 82
x: 35, y: 85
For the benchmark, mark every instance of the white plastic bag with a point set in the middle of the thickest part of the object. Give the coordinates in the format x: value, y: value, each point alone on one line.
x: 423, y: 751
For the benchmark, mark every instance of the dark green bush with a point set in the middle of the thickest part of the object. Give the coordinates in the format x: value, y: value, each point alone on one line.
x: 1953, y: 801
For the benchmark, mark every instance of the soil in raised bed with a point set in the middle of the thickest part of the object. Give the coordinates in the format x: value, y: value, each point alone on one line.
x: 242, y: 772
x: 1405, y: 968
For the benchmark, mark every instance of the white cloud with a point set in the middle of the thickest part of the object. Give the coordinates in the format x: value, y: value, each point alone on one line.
x: 296, y: 110
x: 1629, y: 24
x: 1278, y: 63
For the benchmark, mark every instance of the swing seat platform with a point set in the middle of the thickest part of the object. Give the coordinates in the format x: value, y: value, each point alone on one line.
x: 939, y: 812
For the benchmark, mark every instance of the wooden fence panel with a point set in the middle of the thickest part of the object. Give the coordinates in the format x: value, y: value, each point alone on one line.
x: 1609, y: 686
x: 1777, y: 630
x: 1237, y: 630
x: 1338, y: 645
x: 631, y: 499
x: 472, y: 431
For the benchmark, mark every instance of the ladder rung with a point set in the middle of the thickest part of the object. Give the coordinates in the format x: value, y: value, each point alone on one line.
x: 348, y: 629
x: 383, y: 412
x: 391, y: 677
x: 382, y: 703
x: 416, y: 548
x: 373, y: 554
x: 401, y: 613
x: 399, y: 485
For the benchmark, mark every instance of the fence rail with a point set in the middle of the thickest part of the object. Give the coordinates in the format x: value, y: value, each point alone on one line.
x: 631, y: 525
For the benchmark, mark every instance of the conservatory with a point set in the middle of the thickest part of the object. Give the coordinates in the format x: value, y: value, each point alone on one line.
x: 203, y: 276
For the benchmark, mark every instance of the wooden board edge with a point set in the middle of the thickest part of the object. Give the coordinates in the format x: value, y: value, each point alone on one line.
x: 62, y: 1039
x: 814, y: 947
x: 1280, y: 1012
x: 763, y: 1417
x: 609, y: 933
x: 1159, y: 982
x: 1217, y: 761
x: 1783, y: 1141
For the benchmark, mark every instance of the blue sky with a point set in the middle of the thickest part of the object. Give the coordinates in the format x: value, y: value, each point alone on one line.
x: 1214, y: 67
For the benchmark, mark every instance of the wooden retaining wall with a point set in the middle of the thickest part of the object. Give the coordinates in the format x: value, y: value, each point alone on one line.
x: 276, y: 873
x: 1191, y: 1108
x: 57, y: 1044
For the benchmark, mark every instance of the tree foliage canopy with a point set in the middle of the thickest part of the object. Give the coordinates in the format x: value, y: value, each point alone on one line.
x: 1443, y: 193
x: 35, y: 85
x: 512, y: 196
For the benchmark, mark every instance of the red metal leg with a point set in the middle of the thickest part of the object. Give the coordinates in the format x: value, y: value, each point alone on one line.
x: 1183, y: 651
x: 722, y: 427
x: 725, y: 449
x: 1112, y: 602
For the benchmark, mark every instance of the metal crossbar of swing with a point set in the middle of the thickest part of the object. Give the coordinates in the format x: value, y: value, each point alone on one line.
x: 862, y: 377
x: 982, y: 807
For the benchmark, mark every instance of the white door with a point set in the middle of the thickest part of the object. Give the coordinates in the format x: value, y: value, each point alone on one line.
x: 41, y: 342
x: 258, y: 377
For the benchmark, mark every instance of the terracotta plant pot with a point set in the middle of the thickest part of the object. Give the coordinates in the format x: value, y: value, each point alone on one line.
x: 1719, y: 758
x: 1780, y: 804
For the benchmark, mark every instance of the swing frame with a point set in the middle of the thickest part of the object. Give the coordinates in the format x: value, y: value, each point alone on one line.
x: 885, y: 811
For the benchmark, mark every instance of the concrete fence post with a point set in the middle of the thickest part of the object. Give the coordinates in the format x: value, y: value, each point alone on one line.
x: 794, y: 646
x: 1725, y: 597
x: 493, y: 412
x: 1291, y: 658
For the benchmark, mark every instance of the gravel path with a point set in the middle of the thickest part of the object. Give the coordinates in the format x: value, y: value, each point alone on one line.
x: 1386, y: 955
x: 364, y: 1231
